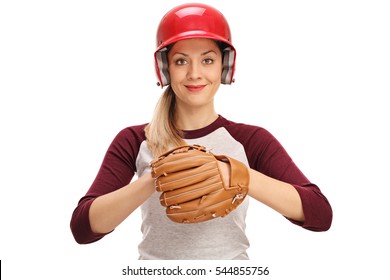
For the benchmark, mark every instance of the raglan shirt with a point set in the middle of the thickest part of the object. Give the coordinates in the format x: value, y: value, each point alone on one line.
x: 221, y: 238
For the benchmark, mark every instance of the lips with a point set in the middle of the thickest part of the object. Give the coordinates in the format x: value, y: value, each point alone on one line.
x: 195, y: 87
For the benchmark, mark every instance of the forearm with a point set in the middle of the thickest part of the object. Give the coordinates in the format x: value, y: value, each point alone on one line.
x: 108, y: 211
x: 280, y: 196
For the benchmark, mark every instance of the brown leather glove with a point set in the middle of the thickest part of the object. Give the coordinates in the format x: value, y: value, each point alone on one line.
x: 192, y: 184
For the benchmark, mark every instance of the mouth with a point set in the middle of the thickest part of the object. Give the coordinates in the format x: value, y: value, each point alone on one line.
x: 195, y: 87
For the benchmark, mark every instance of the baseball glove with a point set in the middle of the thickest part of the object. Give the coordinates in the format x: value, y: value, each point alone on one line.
x: 191, y: 184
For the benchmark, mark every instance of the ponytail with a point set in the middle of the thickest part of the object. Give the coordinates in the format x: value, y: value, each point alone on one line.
x: 161, y: 132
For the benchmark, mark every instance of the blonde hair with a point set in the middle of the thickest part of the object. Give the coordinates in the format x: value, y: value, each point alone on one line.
x: 161, y: 133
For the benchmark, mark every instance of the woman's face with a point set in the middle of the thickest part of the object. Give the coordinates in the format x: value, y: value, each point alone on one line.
x: 195, y: 69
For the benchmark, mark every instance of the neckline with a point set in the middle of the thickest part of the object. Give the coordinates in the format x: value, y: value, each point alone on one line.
x: 197, y: 133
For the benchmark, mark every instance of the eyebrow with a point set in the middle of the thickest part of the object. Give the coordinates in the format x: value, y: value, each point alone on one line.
x: 204, y: 53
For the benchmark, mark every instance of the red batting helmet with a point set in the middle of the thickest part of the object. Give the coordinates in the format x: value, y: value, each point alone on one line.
x: 193, y: 21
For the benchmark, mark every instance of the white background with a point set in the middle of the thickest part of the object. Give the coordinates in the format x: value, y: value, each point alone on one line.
x: 74, y: 73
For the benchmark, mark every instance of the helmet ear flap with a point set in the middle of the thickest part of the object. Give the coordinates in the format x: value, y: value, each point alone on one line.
x: 161, y: 58
x: 228, y: 65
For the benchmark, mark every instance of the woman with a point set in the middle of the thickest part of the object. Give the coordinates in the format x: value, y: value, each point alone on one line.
x: 194, y: 56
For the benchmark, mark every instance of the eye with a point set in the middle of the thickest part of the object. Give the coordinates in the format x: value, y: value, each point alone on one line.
x: 208, y: 61
x: 180, y: 61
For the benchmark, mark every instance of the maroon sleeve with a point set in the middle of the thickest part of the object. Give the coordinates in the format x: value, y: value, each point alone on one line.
x: 266, y: 155
x: 117, y: 170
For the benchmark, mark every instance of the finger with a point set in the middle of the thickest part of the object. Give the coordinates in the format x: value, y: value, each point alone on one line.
x: 191, y: 192
x: 176, y: 162
x: 187, y: 177
x: 191, y: 212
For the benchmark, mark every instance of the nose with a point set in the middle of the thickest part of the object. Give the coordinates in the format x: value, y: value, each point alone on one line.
x: 194, y: 71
